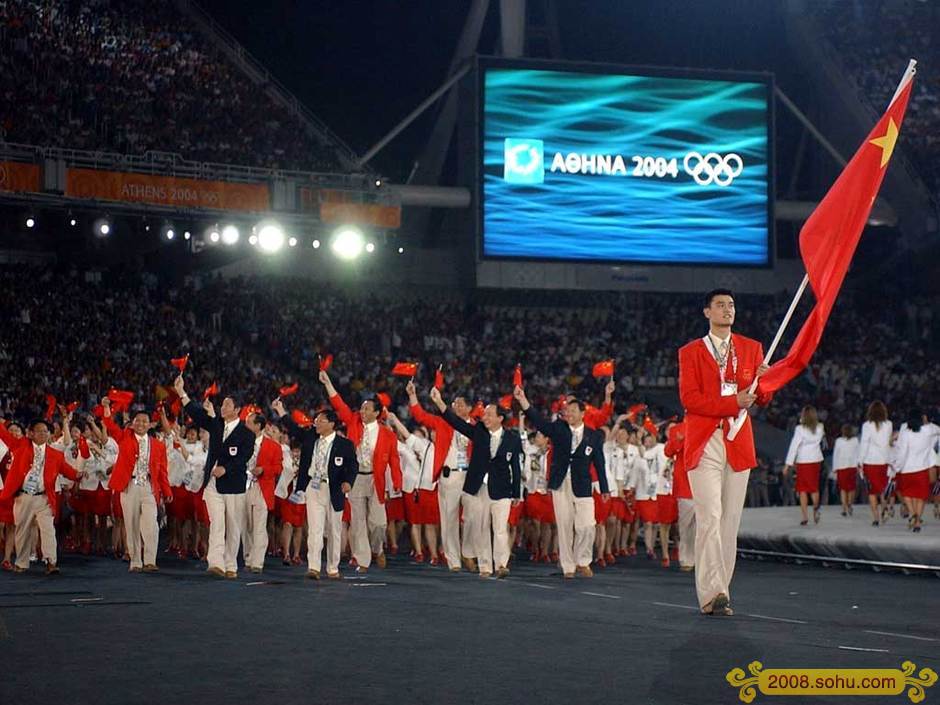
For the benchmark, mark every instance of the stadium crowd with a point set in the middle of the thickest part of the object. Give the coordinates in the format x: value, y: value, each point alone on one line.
x: 69, y: 71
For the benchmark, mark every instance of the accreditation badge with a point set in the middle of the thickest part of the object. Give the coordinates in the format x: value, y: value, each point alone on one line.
x: 729, y: 389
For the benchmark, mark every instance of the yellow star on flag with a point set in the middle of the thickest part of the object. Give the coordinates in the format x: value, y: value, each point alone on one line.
x: 887, y: 141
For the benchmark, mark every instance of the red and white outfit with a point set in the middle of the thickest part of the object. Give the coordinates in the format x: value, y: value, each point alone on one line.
x: 915, y: 454
x: 873, y: 454
x: 647, y: 479
x: 377, y: 449
x: 6, y: 505
x: 290, y: 513
x: 711, y: 372
x: 845, y: 462
x: 259, y: 499
x: 451, y: 451
x: 94, y: 483
x: 538, y: 501
x: 805, y: 453
x: 417, y: 477
x: 682, y: 492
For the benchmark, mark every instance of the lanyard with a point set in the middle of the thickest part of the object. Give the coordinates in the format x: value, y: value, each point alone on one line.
x: 723, y: 361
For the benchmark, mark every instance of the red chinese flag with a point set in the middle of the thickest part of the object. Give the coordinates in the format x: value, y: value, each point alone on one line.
x: 180, y: 362
x: 326, y: 361
x: 72, y: 407
x: 98, y: 411
x: 650, y: 426
x: 301, y: 419
x: 604, y: 369
x: 384, y: 399
x: 247, y: 410
x: 477, y: 411
x: 634, y: 411
x: 50, y: 406
x: 830, y: 235
x: 517, y: 376
x: 405, y: 369
x: 120, y: 399
x: 211, y: 391
x: 505, y: 402
x: 439, y: 379
x: 289, y: 389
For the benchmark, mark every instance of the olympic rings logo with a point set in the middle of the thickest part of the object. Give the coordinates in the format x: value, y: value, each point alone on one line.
x: 713, y: 168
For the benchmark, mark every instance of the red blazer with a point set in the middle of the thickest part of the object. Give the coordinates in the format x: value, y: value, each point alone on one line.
x: 443, y: 436
x: 22, y: 450
x: 385, y: 454
x: 706, y: 409
x: 675, y: 447
x: 128, y: 451
x: 270, y: 460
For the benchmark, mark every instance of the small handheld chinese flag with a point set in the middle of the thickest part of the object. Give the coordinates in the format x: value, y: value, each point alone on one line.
x: 120, y: 399
x: 301, y: 419
x: 405, y: 369
x: 180, y: 362
x: 477, y: 411
x: 211, y: 391
x: 248, y: 410
x: 72, y: 407
x: 604, y: 369
x: 505, y: 402
x: 650, y: 426
x: 634, y: 411
x: 286, y: 391
x: 326, y: 361
x: 384, y: 399
x: 439, y: 378
x: 50, y: 406
x: 517, y: 376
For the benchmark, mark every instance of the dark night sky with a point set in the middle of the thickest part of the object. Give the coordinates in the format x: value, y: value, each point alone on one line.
x: 362, y: 65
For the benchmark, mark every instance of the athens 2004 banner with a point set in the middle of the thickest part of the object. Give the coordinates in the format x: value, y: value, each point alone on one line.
x: 165, y: 190
x: 583, y: 164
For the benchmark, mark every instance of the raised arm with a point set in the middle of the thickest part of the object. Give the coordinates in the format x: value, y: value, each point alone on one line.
x: 343, y: 411
x: 196, y: 412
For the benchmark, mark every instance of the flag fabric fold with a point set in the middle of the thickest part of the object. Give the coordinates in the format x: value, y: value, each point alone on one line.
x: 180, y: 362
x: 326, y: 361
x: 603, y: 369
x: 289, y: 389
x: 830, y: 236
x: 439, y: 379
x: 405, y: 369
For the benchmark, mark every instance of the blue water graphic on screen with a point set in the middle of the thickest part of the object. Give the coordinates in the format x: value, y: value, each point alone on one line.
x: 581, y: 166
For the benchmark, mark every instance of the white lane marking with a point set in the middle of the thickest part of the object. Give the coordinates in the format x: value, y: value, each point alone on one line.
x: 600, y: 594
x: 369, y: 584
x: 903, y: 636
x: 777, y: 619
x: 543, y: 587
x: 257, y: 582
x: 86, y: 599
x: 681, y: 607
x: 859, y: 648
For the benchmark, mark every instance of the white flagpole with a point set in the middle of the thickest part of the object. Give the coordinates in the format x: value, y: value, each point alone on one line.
x: 742, y: 414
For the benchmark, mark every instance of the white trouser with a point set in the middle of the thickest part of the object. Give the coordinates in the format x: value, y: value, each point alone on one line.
x: 718, y: 493
x: 686, y: 532
x: 255, y: 531
x: 140, y: 524
x: 367, y: 521
x: 449, y: 494
x: 322, y: 518
x: 226, y: 518
x: 26, y: 508
x: 574, y: 517
x: 492, y: 520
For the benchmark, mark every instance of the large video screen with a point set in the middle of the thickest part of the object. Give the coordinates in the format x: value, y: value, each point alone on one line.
x: 582, y: 164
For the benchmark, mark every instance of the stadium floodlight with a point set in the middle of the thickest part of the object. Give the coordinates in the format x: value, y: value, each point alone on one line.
x: 30, y: 222
x: 370, y: 247
x: 401, y: 250
x: 347, y: 243
x: 73, y: 222
x: 169, y: 232
x: 316, y: 244
x: 187, y: 235
x: 253, y: 240
x: 270, y: 237
x: 102, y: 227
x: 214, y: 235
x: 230, y: 234
x: 292, y: 242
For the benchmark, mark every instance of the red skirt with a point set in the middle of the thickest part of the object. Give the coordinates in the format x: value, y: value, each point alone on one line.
x: 619, y: 508
x: 877, y: 476
x: 540, y: 507
x: 847, y: 479
x: 516, y: 513
x: 915, y: 485
x: 347, y: 511
x: 601, y: 509
x: 182, y: 507
x: 6, y: 511
x: 117, y: 511
x: 425, y: 511
x: 807, y: 477
x: 667, y: 509
x: 647, y: 511
x: 395, y: 508
x: 200, y: 510
x: 290, y: 513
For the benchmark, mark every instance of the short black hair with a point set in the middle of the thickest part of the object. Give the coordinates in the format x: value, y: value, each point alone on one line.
x: 376, y: 404
x: 503, y: 413
x: 36, y: 422
x: 238, y: 399
x: 915, y: 420
x: 717, y: 292
x: 330, y: 415
x: 575, y: 400
x: 139, y: 412
x: 260, y: 419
